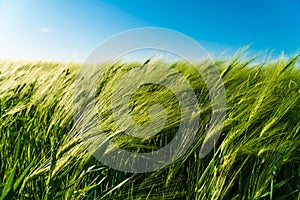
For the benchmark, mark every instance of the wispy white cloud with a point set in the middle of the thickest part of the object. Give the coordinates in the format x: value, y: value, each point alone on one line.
x: 45, y: 30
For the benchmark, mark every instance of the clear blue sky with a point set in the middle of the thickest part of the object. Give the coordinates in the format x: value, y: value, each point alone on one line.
x: 62, y: 30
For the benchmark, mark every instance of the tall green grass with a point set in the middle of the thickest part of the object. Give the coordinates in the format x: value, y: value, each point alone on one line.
x: 257, y: 156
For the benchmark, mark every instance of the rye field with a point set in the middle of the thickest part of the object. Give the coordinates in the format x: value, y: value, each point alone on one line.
x: 257, y: 155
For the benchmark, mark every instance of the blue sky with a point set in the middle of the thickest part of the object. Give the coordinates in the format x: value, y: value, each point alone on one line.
x: 70, y: 30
